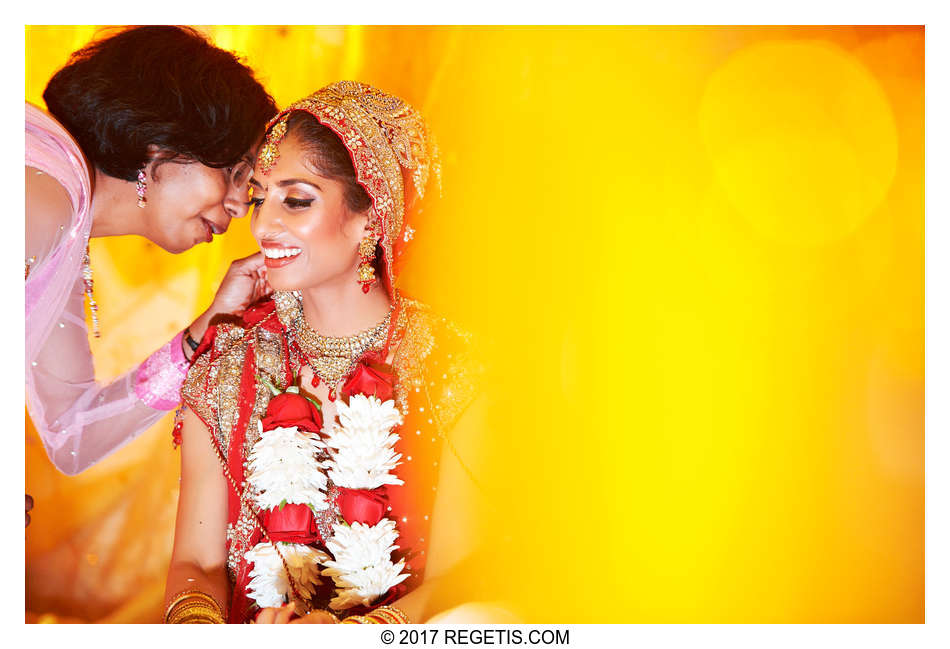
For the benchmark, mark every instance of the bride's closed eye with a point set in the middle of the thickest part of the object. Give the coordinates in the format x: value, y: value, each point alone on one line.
x: 293, y: 203
x: 298, y: 203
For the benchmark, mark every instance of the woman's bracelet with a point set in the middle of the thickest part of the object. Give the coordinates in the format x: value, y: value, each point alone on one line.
x: 194, y: 344
x: 381, y: 615
x: 193, y: 607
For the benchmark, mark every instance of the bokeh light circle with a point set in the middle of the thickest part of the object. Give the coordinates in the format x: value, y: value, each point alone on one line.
x: 801, y: 137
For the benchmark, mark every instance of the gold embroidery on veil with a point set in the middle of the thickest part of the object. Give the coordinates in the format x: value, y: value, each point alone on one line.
x: 384, y: 135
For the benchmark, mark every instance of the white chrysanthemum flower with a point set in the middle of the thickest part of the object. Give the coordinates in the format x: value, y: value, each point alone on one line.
x: 269, y: 585
x: 283, y: 468
x: 361, y: 567
x: 361, y: 444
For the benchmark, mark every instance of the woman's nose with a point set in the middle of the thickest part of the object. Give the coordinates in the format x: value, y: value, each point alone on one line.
x: 235, y: 201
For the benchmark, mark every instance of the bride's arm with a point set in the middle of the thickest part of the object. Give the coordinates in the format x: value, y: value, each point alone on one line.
x: 199, y: 555
x: 455, y: 531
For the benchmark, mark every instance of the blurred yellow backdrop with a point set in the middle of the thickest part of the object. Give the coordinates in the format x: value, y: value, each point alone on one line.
x: 695, y: 259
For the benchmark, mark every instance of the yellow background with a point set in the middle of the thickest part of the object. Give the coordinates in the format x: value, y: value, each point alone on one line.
x: 695, y: 259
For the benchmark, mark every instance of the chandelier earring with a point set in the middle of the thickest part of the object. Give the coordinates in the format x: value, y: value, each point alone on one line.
x: 140, y: 188
x: 366, y: 272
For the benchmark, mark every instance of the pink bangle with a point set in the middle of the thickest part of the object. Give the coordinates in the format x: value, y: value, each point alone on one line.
x: 158, y: 380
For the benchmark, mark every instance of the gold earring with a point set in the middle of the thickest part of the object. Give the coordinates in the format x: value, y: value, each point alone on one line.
x: 366, y: 272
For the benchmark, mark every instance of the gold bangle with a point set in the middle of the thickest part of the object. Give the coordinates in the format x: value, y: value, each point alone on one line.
x: 187, y: 613
x: 177, y: 599
x: 401, y: 617
x: 195, y: 613
x: 200, y: 619
x: 358, y: 619
x: 379, y: 619
x: 192, y: 593
x: 197, y: 617
x: 385, y: 617
x: 190, y: 606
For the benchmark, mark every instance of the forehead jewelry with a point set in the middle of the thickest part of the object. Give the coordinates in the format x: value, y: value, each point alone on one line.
x: 269, y: 153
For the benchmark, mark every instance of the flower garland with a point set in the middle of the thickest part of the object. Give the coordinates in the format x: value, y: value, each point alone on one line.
x: 361, y: 456
x: 290, y: 468
x: 269, y: 584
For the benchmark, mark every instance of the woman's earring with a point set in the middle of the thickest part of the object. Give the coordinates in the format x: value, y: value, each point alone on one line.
x: 140, y: 188
x: 367, y: 275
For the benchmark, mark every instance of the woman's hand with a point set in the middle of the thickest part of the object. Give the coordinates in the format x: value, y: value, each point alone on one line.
x: 283, y: 614
x: 243, y: 284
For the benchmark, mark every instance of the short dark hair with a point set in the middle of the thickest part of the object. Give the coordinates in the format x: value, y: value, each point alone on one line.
x: 326, y: 151
x: 158, y: 85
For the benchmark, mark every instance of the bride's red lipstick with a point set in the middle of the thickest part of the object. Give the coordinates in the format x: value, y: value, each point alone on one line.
x: 280, y: 262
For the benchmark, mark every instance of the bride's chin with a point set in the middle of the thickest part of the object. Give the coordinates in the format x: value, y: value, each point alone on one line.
x: 282, y: 281
x: 284, y: 286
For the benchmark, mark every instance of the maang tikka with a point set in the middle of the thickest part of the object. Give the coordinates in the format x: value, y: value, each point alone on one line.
x: 269, y: 152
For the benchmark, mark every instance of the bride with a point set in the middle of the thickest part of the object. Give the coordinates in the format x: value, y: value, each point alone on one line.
x: 321, y: 478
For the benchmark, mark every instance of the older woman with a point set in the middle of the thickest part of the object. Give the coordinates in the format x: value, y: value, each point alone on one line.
x: 150, y: 132
x: 326, y: 463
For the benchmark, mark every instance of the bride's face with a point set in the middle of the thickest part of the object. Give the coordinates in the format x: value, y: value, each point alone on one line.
x: 301, y: 222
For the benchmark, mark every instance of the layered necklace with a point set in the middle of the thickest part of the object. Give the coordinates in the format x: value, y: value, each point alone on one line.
x: 332, y: 358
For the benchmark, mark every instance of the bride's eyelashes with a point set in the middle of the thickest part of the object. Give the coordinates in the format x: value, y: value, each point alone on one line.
x: 298, y: 203
x: 293, y: 203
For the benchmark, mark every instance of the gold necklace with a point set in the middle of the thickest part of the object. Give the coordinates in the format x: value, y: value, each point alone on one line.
x: 331, y: 358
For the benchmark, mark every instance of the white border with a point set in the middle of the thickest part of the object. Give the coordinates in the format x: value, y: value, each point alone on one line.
x: 589, y: 12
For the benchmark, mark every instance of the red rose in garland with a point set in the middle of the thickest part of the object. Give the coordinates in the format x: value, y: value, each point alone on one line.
x: 290, y: 484
x: 293, y: 523
x: 372, y: 381
x: 283, y: 472
x: 289, y: 409
x: 362, y: 505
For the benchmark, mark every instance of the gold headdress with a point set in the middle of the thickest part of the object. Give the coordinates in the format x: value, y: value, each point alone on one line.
x: 384, y: 136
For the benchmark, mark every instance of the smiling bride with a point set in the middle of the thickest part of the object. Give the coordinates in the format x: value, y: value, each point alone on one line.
x: 321, y: 474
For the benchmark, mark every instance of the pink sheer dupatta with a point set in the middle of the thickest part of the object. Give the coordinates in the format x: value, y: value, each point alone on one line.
x: 79, y: 420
